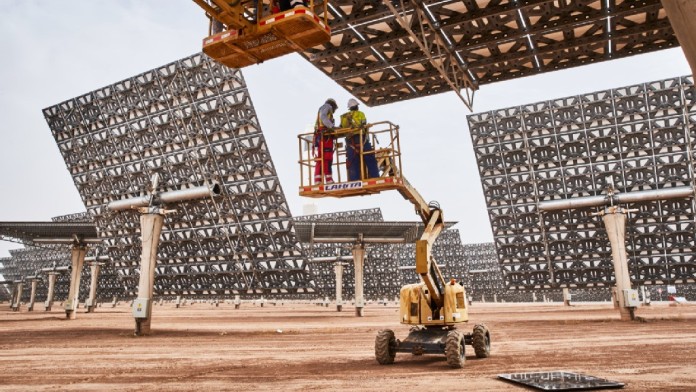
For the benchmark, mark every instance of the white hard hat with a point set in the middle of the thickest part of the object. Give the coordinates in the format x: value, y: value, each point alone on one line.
x: 352, y: 102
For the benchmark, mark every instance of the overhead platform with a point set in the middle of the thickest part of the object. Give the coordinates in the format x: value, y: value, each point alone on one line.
x: 470, y: 43
x: 274, y: 36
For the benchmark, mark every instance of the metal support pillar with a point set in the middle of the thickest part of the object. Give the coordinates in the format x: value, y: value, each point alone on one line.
x: 17, y: 297
x: 614, y: 217
x: 338, y: 268
x: 358, y: 262
x: 151, y: 223
x: 92, y: 300
x: 32, y: 296
x: 51, y: 290
x: 615, y: 298
x: 78, y: 260
x: 645, y: 294
x: 615, y: 222
x: 566, y: 296
x: 681, y: 14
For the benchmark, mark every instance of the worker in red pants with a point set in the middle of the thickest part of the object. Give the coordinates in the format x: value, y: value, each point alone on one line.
x: 324, y: 142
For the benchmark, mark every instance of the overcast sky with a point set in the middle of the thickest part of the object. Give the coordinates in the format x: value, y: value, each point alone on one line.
x: 55, y: 50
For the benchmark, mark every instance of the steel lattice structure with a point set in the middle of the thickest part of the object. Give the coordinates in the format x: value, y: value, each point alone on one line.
x: 640, y: 136
x: 192, y: 122
x: 485, y: 275
x: 82, y: 217
x: 382, y: 277
x: 366, y: 215
x: 29, y: 262
x: 5, y: 289
x: 380, y: 270
x: 373, y: 57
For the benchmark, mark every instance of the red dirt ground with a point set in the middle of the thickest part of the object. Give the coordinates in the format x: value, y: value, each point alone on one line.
x: 201, y: 347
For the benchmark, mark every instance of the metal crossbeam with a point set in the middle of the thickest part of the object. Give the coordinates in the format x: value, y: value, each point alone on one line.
x: 436, y: 47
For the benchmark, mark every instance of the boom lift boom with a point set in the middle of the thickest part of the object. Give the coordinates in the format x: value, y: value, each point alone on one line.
x: 433, y: 306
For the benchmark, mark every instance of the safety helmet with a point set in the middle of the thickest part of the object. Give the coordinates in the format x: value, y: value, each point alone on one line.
x: 352, y: 103
x: 333, y: 103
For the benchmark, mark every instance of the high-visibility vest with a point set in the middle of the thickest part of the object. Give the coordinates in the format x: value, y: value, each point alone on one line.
x: 353, y: 119
x: 318, y: 125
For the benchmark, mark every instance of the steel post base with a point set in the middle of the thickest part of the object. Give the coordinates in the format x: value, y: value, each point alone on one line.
x: 142, y: 326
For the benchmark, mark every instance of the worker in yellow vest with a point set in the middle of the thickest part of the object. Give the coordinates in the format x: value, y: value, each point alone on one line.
x: 358, y: 155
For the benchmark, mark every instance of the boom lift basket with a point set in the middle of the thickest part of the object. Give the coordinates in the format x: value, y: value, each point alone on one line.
x: 384, y: 138
x: 273, y: 36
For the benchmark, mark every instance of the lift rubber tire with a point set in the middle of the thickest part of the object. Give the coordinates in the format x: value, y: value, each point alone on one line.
x: 454, y: 349
x: 385, y: 344
x: 481, y: 340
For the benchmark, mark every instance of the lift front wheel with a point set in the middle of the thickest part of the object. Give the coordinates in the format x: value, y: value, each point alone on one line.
x: 385, y: 347
x: 454, y: 349
x: 481, y: 340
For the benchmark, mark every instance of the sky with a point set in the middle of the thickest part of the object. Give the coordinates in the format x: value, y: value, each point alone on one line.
x: 56, y: 50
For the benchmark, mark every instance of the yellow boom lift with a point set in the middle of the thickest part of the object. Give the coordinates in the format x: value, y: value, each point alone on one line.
x: 435, y: 306
x: 246, y: 32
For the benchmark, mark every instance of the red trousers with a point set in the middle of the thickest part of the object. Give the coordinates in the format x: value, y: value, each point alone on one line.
x: 324, y: 159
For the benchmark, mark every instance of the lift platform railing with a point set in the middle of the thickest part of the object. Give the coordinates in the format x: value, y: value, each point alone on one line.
x: 386, y: 149
x: 242, y: 13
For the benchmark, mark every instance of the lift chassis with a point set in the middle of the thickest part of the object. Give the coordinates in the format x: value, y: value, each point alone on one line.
x: 433, y: 340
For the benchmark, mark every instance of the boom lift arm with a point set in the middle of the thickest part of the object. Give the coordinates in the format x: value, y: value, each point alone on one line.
x: 426, y: 267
